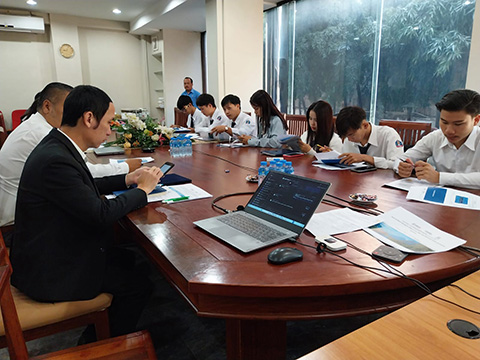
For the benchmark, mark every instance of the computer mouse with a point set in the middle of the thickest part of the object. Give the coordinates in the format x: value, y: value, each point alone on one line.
x: 284, y: 255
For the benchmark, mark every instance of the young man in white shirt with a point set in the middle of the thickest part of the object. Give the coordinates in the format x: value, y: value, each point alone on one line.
x: 375, y: 145
x: 454, y: 148
x: 241, y: 123
x: 44, y: 114
x: 195, y: 117
x: 213, y: 116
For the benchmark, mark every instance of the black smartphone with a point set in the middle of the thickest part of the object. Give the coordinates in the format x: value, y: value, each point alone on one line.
x: 365, y: 168
x: 148, y: 150
x: 389, y: 253
x: 166, y: 167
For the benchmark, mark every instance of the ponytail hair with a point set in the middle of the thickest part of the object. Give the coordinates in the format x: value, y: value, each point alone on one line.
x: 50, y: 92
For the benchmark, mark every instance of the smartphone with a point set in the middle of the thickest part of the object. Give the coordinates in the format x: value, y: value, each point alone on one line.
x: 166, y: 167
x: 362, y: 169
x: 389, y: 253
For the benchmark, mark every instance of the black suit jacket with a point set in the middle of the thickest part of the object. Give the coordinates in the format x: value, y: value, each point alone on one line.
x: 63, y: 226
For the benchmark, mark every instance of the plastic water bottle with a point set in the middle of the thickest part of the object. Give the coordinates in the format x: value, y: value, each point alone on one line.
x: 282, y: 165
x: 188, y: 147
x: 289, y: 168
x: 183, y: 146
x: 174, y: 147
x: 262, y: 172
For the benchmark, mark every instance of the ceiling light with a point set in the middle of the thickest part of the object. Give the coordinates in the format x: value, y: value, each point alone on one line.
x: 117, y: 11
x: 467, y: 2
x: 31, y: 2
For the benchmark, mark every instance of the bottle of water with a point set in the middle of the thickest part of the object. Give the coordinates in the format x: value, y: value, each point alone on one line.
x: 188, y: 147
x: 262, y: 172
x: 282, y: 165
x: 289, y: 167
x: 183, y: 146
x: 173, y: 147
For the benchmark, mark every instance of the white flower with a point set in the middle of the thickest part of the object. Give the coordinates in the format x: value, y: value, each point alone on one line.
x: 155, y: 137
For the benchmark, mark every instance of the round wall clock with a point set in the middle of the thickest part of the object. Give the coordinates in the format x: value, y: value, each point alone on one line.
x: 66, y: 50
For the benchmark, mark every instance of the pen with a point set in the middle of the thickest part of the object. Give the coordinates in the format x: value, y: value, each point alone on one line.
x: 169, y: 201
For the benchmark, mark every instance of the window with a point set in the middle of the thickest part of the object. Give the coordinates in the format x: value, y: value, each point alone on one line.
x: 394, y: 58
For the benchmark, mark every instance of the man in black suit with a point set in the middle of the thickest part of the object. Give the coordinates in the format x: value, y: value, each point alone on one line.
x: 63, y: 242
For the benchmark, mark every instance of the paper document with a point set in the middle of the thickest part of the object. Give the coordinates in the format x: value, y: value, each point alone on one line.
x: 174, y: 192
x: 144, y: 160
x: 329, y: 155
x: 338, y: 222
x: 409, y: 233
x: 407, y: 183
x: 234, y: 144
x: 444, y: 196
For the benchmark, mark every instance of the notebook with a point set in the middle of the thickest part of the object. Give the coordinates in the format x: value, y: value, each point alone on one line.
x: 280, y: 209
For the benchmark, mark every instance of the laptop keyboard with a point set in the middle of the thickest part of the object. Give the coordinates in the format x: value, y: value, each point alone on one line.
x: 251, y: 227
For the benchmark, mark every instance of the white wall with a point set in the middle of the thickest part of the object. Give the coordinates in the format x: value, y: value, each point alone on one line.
x: 106, y: 55
x: 26, y: 66
x: 182, y: 57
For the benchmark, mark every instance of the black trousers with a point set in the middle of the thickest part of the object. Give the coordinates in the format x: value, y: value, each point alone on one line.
x: 128, y: 281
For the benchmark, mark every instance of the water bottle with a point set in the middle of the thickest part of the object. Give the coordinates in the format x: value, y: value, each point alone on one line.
x: 262, y: 172
x: 183, y: 146
x: 174, y: 147
x: 188, y: 147
x: 282, y: 165
x: 289, y: 168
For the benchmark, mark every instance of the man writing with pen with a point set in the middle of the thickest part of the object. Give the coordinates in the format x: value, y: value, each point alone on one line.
x: 452, y: 149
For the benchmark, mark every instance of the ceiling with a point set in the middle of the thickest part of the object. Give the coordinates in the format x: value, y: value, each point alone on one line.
x: 144, y: 16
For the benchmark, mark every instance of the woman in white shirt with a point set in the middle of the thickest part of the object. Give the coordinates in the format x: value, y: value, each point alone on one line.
x: 320, y: 136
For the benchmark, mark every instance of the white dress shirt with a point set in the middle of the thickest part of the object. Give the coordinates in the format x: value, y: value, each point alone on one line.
x: 385, y: 146
x: 244, y: 124
x: 334, y: 144
x: 15, y: 151
x: 457, y: 167
x: 217, y: 118
x: 269, y: 138
x: 196, y: 119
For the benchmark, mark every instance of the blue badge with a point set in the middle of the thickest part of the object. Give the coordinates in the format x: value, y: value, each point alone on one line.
x: 247, y: 122
x: 219, y: 117
x: 398, y: 143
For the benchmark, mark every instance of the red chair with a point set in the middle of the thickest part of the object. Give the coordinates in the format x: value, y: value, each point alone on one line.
x: 16, y: 117
x: 3, y: 130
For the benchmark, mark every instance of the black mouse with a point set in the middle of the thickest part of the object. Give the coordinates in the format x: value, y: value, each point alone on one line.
x: 284, y: 255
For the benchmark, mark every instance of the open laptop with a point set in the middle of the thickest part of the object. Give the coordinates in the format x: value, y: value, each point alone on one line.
x: 280, y: 209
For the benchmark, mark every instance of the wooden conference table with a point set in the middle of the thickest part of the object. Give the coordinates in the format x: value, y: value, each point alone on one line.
x: 257, y: 298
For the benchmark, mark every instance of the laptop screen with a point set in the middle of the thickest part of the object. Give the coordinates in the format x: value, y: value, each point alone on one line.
x: 287, y: 200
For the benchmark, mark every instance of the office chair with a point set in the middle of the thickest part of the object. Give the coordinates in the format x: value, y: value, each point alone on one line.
x: 16, y: 118
x: 409, y: 131
x: 297, y: 124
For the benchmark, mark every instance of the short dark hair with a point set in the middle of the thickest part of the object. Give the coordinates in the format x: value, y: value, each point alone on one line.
x: 189, y: 78
x: 349, y: 118
x: 230, y: 99
x: 50, y: 92
x: 183, y: 101
x: 205, y: 99
x: 458, y: 100
x: 85, y: 98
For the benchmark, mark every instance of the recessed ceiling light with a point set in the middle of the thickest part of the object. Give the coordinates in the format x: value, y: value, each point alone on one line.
x: 31, y: 2
x: 117, y: 11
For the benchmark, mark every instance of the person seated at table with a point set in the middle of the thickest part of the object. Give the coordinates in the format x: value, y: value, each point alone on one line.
x: 363, y: 141
x: 195, y: 117
x: 320, y: 135
x: 62, y: 246
x: 44, y: 114
x: 213, y: 116
x: 270, y: 122
x: 241, y: 123
x: 454, y: 149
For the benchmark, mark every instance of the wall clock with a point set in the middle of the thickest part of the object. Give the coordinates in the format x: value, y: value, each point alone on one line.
x: 66, y: 50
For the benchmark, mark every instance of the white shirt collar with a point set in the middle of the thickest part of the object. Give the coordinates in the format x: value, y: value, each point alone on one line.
x: 82, y: 154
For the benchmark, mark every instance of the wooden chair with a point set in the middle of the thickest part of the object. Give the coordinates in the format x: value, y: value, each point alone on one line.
x: 3, y: 130
x: 39, y: 319
x: 16, y: 117
x: 136, y: 346
x: 410, y: 131
x: 297, y: 124
x: 181, y: 117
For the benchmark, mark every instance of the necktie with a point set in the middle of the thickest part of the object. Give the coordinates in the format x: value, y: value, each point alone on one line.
x: 363, y: 149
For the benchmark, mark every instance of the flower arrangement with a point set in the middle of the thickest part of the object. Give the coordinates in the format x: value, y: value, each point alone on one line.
x: 134, y: 132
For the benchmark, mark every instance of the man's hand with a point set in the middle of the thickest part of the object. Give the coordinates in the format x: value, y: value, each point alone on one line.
x: 304, y: 147
x: 350, y: 158
x: 426, y: 171
x: 405, y: 168
x: 218, y: 129
x: 133, y: 164
x: 148, y: 179
x: 244, y: 139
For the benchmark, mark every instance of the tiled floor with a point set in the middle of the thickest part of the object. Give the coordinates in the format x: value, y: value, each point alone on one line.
x: 178, y: 334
